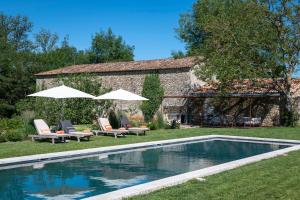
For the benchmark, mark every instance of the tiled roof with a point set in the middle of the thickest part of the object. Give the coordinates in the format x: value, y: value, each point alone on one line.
x: 169, y: 63
x: 248, y: 87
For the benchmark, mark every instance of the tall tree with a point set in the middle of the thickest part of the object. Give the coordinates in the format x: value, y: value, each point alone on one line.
x: 153, y: 91
x: 284, y: 16
x: 245, y: 39
x: 107, y: 47
x: 46, y: 41
x: 14, y: 61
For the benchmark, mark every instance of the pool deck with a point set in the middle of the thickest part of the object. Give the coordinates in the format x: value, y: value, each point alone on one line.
x: 40, y: 159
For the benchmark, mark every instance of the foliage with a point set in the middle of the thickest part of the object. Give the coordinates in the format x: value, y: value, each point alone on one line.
x: 153, y: 91
x: 14, y: 129
x: 107, y: 47
x: 14, y: 135
x: 173, y: 125
x: 14, y: 63
x: 152, y: 126
x: 114, y: 119
x: 160, y: 121
x: 245, y: 39
x: 78, y: 110
x: 21, y: 57
x: 178, y: 54
x: 46, y: 41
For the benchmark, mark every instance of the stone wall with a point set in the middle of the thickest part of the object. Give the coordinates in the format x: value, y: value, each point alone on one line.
x: 175, y: 82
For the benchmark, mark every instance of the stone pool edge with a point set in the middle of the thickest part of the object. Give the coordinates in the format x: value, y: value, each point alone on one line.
x: 182, y: 178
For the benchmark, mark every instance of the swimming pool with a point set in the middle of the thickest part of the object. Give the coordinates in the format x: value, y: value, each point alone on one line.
x: 101, y: 173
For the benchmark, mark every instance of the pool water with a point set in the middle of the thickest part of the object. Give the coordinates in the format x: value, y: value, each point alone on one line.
x: 85, y: 177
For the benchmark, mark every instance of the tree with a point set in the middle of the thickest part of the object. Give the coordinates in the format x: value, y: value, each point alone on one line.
x: 62, y: 56
x: 46, y: 41
x: 284, y: 16
x: 178, y: 54
x: 15, y: 61
x: 244, y: 39
x: 153, y: 91
x: 107, y: 47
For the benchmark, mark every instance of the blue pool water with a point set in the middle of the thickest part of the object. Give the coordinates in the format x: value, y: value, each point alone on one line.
x: 79, y: 178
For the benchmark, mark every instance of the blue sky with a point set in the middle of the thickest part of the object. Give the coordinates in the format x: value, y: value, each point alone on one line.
x: 147, y: 24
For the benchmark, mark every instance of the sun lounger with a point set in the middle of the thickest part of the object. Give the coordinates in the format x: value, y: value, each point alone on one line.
x: 43, y: 132
x: 105, y: 129
x: 69, y: 129
x: 135, y: 130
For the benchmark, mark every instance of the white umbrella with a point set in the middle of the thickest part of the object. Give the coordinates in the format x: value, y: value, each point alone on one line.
x: 121, y: 95
x: 62, y: 92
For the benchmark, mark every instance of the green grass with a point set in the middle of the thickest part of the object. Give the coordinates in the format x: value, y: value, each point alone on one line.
x: 11, y: 149
x: 277, y: 178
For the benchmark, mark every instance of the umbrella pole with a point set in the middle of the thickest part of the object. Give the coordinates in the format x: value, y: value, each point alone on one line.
x: 62, y: 109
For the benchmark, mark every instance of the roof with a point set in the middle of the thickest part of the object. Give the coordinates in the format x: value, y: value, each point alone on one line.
x: 169, y: 63
x: 249, y: 88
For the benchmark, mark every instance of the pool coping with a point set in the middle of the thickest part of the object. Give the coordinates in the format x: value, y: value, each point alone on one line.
x: 161, y: 183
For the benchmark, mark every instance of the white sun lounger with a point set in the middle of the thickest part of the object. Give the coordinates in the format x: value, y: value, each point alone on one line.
x: 103, y: 123
x: 43, y: 132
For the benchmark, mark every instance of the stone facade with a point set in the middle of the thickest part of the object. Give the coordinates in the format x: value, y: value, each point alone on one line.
x: 176, y: 82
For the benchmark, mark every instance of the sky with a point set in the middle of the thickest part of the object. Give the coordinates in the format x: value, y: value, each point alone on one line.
x: 149, y: 25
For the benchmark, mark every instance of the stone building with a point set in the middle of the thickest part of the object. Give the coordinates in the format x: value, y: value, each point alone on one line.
x: 186, y: 98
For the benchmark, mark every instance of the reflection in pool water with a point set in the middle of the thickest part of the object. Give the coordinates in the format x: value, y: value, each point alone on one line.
x: 91, y: 176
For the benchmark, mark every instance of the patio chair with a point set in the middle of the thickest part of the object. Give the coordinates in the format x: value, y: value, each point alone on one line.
x: 106, y: 128
x: 69, y: 129
x: 43, y: 132
x: 134, y: 130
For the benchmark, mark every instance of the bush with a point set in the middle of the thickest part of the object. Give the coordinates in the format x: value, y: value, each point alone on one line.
x: 14, y: 135
x: 152, y: 126
x: 173, y: 125
x: 160, y: 121
x: 152, y: 90
x: 14, y: 129
x: 2, y: 136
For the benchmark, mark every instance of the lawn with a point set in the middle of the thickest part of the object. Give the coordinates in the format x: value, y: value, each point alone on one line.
x: 276, y: 178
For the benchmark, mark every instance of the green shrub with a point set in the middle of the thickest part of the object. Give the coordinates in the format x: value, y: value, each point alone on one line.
x: 14, y: 135
x: 152, y: 126
x: 2, y: 136
x: 14, y: 129
x: 152, y: 90
x: 172, y: 125
x: 160, y: 121
x: 13, y: 123
x: 28, y: 129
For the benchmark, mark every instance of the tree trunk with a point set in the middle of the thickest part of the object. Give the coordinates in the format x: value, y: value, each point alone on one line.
x: 287, y: 116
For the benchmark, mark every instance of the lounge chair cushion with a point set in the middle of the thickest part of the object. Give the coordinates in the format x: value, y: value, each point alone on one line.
x: 41, y: 127
x: 108, y: 127
x: 103, y: 122
x: 66, y: 126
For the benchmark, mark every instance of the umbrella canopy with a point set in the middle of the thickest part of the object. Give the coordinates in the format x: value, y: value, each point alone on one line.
x: 121, y: 95
x: 62, y: 92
